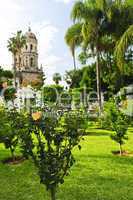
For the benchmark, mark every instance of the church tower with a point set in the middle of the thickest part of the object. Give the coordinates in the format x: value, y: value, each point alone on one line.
x: 30, y: 52
x: 27, y: 69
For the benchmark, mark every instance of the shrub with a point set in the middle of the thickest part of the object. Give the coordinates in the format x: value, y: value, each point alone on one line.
x: 8, y: 131
x: 50, y: 93
x: 13, y: 125
x: 54, y: 138
x: 118, y: 122
x: 9, y: 94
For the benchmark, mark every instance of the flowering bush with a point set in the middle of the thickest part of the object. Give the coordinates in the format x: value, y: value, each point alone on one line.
x: 53, y: 139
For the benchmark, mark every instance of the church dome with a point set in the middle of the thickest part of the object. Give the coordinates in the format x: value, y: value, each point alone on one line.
x: 30, y: 35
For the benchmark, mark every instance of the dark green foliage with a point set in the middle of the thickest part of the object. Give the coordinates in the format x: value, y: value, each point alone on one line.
x: 8, y: 129
x: 57, y: 78
x: 73, y: 78
x: 76, y: 96
x: 121, y: 17
x: 51, y: 93
x: 82, y: 77
x: 14, y: 126
x: 65, y: 99
x: 54, y: 138
x: 9, y: 94
x: 5, y: 74
x: 103, y: 24
x: 111, y: 83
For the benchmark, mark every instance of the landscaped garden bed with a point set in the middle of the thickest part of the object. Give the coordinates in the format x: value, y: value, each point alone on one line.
x: 97, y: 174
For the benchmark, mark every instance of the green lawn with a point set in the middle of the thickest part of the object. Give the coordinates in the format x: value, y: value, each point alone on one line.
x: 97, y: 174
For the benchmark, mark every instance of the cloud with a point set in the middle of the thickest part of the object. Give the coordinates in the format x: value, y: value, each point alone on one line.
x: 46, y: 35
x: 14, y: 17
x: 64, y: 1
x: 8, y: 20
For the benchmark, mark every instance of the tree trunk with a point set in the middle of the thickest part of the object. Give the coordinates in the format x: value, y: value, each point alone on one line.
x: 14, y: 71
x: 20, y: 82
x: 12, y: 154
x: 98, y: 71
x: 53, y: 192
x: 120, y: 149
x: 74, y: 61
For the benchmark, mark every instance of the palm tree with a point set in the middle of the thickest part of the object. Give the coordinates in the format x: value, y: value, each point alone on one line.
x: 15, y: 45
x: 93, y: 20
x: 73, y: 39
x: 57, y: 78
x: 12, y: 48
x: 125, y: 41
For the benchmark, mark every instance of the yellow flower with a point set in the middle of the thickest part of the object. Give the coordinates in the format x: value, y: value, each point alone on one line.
x: 4, y: 85
x: 37, y: 115
x: 124, y: 104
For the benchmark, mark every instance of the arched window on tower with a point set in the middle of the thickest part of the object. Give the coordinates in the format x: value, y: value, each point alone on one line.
x: 31, y: 62
x: 31, y: 47
x: 26, y: 62
x: 26, y: 47
x: 20, y: 62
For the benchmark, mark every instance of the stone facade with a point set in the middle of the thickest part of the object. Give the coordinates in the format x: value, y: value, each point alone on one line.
x: 28, y: 72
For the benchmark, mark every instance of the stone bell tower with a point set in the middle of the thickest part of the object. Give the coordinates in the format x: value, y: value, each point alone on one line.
x: 30, y: 52
x: 28, y: 70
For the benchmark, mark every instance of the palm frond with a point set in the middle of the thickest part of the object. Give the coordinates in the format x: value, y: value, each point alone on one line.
x: 78, y: 11
x: 121, y: 47
x: 73, y: 36
x: 16, y: 43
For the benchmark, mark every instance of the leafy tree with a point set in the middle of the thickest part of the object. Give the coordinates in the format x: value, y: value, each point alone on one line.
x: 51, y: 93
x: 73, y: 78
x: 9, y: 94
x: 92, y: 16
x: 5, y: 74
x: 57, y: 78
x: 85, y: 76
x: 102, y: 24
x: 120, y: 17
x: 88, y: 78
x: 118, y: 122
x: 54, y: 139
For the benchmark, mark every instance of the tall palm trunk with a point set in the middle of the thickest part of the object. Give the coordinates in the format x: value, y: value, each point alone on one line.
x: 98, y: 72
x: 74, y: 60
x: 53, y: 193
x: 19, y: 73
x: 14, y: 71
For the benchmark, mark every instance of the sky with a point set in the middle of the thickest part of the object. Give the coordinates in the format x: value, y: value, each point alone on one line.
x: 49, y: 20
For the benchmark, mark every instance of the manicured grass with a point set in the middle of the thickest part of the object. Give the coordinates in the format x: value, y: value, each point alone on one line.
x: 97, y: 174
